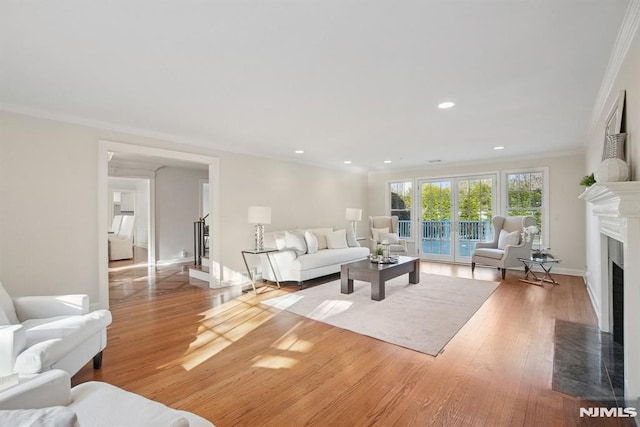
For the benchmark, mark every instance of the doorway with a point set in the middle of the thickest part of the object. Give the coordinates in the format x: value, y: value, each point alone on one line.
x: 212, y: 167
x: 455, y: 213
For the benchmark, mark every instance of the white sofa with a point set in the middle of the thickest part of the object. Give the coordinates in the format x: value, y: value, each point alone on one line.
x: 38, y: 333
x: 121, y: 243
x: 293, y: 264
x: 48, y: 399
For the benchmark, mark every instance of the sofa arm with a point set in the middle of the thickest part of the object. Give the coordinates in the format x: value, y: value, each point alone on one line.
x: 513, y: 252
x: 50, y: 388
x: 41, y: 307
x: 13, y: 340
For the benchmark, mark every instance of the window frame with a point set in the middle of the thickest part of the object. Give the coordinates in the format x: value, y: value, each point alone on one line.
x: 504, y: 191
x: 412, y: 213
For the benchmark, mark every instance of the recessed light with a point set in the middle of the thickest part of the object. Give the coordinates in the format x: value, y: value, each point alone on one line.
x: 445, y: 105
x: 435, y: 161
x: 499, y: 147
x: 387, y: 161
x: 347, y: 162
x: 299, y: 151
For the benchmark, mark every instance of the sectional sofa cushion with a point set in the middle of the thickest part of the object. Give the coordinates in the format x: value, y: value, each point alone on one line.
x: 295, y: 241
x: 321, y: 235
x: 337, y: 240
x: 7, y: 310
x: 312, y: 242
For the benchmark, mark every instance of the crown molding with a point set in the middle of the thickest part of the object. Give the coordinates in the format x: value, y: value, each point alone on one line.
x: 626, y: 33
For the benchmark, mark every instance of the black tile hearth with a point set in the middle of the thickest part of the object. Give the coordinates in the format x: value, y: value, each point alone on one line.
x: 588, y: 364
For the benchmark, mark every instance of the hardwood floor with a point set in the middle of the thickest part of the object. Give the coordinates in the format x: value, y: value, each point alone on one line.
x: 237, y: 362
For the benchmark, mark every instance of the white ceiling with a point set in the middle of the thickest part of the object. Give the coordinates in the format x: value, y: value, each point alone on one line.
x: 340, y: 79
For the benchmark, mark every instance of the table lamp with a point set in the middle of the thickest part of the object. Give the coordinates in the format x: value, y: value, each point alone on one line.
x: 354, y: 215
x: 259, y: 215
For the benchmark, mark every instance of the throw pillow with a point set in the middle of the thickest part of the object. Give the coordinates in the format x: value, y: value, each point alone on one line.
x: 392, y: 238
x: 337, y: 239
x: 312, y: 242
x: 505, y: 239
x: 321, y: 235
x: 6, y: 306
x: 54, y: 416
x: 375, y: 232
x: 295, y: 242
x: 352, y: 242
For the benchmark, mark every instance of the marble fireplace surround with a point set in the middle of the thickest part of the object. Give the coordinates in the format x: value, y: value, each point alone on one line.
x: 617, y: 206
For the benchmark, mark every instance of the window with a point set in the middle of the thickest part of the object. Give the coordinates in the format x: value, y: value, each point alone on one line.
x: 526, y: 195
x: 401, y: 195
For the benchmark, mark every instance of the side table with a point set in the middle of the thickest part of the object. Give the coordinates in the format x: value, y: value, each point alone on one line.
x: 545, y: 263
x: 265, y: 251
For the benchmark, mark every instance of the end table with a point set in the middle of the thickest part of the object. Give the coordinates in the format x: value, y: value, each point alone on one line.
x: 545, y: 263
x: 265, y: 251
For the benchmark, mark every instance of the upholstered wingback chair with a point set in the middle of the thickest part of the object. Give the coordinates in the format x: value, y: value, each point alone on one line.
x: 390, y: 223
x: 507, y: 245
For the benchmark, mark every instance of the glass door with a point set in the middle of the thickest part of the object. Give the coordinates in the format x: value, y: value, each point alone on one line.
x: 455, y: 214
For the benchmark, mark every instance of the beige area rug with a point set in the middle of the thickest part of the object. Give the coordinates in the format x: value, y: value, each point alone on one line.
x: 423, y: 317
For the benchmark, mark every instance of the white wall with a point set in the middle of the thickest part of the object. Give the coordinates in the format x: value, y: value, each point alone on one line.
x: 566, y: 212
x: 177, y: 207
x: 142, y: 213
x: 628, y: 79
x: 46, y: 164
x: 299, y: 196
x: 49, y: 208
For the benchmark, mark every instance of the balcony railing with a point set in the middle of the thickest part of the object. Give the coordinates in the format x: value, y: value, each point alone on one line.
x: 436, y: 235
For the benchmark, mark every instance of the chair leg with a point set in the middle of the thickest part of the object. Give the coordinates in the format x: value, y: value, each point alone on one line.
x: 473, y: 266
x: 504, y: 272
x: 97, y: 361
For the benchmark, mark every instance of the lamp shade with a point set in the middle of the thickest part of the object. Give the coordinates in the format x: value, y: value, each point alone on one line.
x: 259, y: 215
x: 354, y: 214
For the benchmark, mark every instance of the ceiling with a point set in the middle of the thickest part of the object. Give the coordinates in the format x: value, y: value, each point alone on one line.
x: 340, y: 79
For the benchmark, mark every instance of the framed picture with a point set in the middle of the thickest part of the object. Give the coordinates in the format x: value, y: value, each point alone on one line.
x: 613, y: 123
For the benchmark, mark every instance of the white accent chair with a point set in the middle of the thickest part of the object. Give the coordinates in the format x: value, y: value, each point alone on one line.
x: 121, y: 244
x: 115, y: 224
x: 39, y: 333
x: 499, y: 253
x: 50, y: 399
x: 390, y: 223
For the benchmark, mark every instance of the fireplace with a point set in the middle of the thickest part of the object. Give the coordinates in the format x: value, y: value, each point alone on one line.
x: 616, y: 288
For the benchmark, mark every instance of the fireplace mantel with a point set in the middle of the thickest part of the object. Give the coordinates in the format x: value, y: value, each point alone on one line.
x: 614, y: 198
x: 617, y: 207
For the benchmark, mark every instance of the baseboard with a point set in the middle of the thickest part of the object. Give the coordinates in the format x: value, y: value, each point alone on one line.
x: 142, y: 245
x: 171, y: 261
x: 594, y: 301
x: 568, y: 272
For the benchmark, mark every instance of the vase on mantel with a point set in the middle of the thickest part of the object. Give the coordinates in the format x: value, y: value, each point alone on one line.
x: 614, y: 168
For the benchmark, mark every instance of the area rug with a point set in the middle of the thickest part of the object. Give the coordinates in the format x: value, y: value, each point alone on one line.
x: 423, y: 316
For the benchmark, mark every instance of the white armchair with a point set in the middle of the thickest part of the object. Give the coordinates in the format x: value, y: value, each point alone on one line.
x: 390, y: 224
x: 507, y: 245
x: 46, y: 332
x: 121, y: 244
x: 50, y: 399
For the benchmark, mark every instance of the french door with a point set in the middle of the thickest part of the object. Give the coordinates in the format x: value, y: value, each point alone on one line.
x: 454, y: 214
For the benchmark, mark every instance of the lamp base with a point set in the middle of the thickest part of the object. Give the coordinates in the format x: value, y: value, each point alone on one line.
x: 259, y: 237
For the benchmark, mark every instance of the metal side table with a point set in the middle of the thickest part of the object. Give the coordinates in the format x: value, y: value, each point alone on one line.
x: 265, y: 251
x: 545, y: 263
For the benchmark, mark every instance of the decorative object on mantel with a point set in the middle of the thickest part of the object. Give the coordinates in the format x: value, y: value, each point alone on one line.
x: 613, y: 168
x: 259, y: 215
x: 588, y: 180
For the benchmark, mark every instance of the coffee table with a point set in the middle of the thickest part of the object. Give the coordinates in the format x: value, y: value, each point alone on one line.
x: 378, y: 274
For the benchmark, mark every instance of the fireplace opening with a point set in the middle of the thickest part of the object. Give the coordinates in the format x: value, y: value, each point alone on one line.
x: 617, y: 283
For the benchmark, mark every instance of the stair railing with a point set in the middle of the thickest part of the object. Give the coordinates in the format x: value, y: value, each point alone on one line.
x: 200, y: 233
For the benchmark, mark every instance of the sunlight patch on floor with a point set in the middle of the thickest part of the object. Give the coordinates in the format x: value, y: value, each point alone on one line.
x: 212, y: 339
x: 274, y: 362
x: 329, y: 308
x: 289, y: 341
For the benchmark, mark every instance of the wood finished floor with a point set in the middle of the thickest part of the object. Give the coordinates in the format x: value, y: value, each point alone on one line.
x: 240, y: 363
